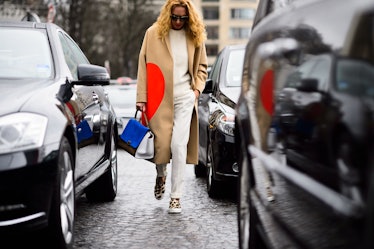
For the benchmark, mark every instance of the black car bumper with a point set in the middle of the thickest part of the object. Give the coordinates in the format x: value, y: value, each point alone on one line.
x: 224, y: 156
x: 26, y: 192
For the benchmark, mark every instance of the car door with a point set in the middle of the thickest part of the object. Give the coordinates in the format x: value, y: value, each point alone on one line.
x: 296, y: 192
x: 87, y: 101
x: 307, y: 115
x: 295, y: 183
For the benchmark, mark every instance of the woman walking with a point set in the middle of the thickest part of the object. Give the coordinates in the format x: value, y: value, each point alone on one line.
x: 171, y: 75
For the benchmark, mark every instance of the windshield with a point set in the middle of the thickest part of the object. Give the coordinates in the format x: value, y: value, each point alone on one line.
x: 234, y: 68
x: 24, y: 54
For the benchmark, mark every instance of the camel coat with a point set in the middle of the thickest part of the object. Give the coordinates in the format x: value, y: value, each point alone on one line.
x: 155, y: 88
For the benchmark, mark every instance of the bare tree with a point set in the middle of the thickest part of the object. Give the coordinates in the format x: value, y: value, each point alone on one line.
x: 105, y: 30
x: 77, y: 18
x: 19, y: 9
x: 130, y: 20
x: 111, y: 31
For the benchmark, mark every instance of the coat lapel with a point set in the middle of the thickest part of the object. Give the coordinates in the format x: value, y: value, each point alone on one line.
x: 168, y: 45
x: 191, y: 51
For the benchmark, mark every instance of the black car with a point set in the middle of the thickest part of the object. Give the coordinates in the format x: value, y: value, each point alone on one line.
x: 57, y: 133
x: 217, y: 157
x: 305, y: 125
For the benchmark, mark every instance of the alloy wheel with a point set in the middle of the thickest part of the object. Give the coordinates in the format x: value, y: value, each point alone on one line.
x: 67, y: 198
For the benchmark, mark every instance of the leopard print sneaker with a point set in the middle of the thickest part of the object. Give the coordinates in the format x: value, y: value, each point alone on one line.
x: 160, y: 187
x: 175, y: 206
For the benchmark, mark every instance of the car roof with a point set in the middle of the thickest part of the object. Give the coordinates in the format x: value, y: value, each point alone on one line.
x: 29, y: 25
x: 236, y: 46
x: 23, y: 24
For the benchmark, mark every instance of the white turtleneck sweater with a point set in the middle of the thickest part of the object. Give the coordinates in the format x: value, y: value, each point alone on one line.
x: 182, y: 78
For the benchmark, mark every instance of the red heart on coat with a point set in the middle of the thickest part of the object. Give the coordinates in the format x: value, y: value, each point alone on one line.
x: 156, y: 89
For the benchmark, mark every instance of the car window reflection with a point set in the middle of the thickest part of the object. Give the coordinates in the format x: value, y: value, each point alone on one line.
x: 355, y: 77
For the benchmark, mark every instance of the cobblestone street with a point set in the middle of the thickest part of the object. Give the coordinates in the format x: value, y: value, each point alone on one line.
x: 136, y: 220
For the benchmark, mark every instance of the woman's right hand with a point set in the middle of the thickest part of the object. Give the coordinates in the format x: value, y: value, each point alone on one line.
x: 140, y: 106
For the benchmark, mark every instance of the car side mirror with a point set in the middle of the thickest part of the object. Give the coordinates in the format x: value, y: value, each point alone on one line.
x: 308, y: 85
x: 89, y: 75
x: 208, y: 86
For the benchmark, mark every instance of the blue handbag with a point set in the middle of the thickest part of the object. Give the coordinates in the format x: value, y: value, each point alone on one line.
x: 137, y: 139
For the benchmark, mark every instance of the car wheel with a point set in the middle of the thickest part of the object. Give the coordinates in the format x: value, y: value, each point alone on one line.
x: 61, y: 220
x: 200, y: 170
x: 105, y: 187
x: 213, y: 186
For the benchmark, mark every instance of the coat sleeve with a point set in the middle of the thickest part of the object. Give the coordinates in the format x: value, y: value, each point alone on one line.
x: 201, y: 74
x: 141, y: 95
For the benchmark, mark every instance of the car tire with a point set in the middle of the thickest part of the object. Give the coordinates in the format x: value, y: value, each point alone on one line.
x: 200, y: 170
x: 213, y: 186
x: 104, y: 189
x: 60, y: 230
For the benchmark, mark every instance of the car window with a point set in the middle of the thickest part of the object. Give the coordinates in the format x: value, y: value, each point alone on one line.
x: 355, y: 78
x: 214, y: 75
x: 315, y: 68
x: 321, y: 72
x: 73, y: 55
x: 234, y: 68
x: 301, y: 72
x: 24, y: 54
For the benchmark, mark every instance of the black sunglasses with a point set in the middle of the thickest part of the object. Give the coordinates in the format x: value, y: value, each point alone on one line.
x: 181, y: 18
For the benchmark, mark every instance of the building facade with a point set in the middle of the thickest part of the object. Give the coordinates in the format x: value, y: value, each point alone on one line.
x: 227, y: 22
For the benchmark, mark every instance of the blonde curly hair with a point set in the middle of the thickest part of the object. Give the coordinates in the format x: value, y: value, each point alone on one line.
x: 194, y: 27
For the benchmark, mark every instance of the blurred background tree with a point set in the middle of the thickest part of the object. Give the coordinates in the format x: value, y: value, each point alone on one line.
x: 110, y: 32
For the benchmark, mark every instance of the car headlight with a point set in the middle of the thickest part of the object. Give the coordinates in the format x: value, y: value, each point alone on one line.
x: 22, y: 131
x: 226, y: 123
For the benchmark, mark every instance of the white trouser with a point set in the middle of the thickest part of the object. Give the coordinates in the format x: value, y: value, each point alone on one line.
x: 183, y: 107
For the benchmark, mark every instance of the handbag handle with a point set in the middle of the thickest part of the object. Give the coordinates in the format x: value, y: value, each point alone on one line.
x: 145, y: 116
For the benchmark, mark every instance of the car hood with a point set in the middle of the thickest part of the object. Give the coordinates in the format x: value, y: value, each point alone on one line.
x: 16, y: 93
